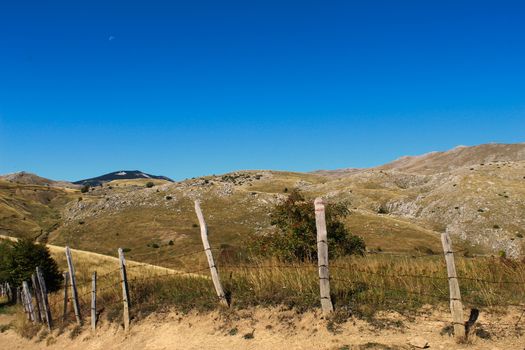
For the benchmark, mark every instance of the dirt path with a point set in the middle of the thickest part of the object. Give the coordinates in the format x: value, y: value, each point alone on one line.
x: 266, y: 329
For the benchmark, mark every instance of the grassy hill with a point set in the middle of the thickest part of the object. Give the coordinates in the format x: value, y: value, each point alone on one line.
x: 394, y: 208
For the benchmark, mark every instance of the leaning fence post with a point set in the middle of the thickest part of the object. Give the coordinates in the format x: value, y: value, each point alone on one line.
x: 39, y: 311
x: 322, y: 256
x: 125, y: 290
x: 29, y: 301
x: 456, y: 307
x: 44, y: 299
x: 72, y: 278
x: 94, y: 301
x: 66, y: 278
x: 209, y: 255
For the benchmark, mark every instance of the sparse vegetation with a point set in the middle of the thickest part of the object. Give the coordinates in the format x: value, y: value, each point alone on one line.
x: 295, y: 234
x: 84, y: 189
x: 363, y: 284
x: 150, y: 184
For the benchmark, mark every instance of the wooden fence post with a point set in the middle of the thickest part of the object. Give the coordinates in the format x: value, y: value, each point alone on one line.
x: 36, y: 290
x: 66, y: 278
x: 9, y: 292
x: 125, y: 290
x: 456, y: 307
x: 23, y: 300
x: 19, y: 299
x: 322, y: 256
x: 209, y: 256
x: 72, y: 279
x: 44, y: 299
x: 94, y: 301
x: 29, y: 301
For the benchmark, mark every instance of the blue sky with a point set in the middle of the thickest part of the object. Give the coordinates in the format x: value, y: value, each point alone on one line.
x: 192, y: 88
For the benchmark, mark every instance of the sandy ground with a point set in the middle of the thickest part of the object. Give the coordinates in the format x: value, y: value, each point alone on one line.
x: 271, y: 329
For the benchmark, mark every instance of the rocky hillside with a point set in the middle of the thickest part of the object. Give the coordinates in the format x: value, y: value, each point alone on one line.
x: 459, y: 157
x: 475, y: 193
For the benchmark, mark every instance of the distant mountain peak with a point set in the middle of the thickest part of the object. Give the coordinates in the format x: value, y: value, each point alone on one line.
x: 120, y: 175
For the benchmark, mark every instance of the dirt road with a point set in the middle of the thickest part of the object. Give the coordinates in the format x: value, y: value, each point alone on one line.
x: 270, y: 329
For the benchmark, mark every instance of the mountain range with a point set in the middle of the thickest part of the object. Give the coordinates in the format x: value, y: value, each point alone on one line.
x: 477, y: 194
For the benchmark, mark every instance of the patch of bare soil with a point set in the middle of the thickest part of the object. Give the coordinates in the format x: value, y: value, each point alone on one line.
x: 277, y: 329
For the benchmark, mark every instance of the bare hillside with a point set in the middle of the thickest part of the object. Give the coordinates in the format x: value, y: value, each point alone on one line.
x: 461, y: 156
x: 475, y: 193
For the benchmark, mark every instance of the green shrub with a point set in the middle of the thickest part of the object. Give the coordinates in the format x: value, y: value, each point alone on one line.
x: 19, y: 261
x: 295, y: 235
x: 149, y: 184
x: 84, y: 189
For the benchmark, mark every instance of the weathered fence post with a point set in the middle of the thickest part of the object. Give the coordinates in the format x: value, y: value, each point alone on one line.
x: 456, y: 307
x: 74, y: 293
x: 125, y: 290
x: 38, y: 302
x: 44, y: 299
x: 66, y: 278
x: 322, y: 256
x: 9, y: 292
x: 23, y: 300
x: 19, y: 299
x: 209, y: 256
x: 29, y: 301
x: 94, y: 301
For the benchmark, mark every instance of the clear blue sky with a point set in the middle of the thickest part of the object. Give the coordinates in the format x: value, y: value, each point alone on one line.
x: 189, y: 88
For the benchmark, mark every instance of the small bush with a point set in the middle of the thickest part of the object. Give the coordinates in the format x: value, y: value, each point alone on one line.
x: 126, y: 250
x: 295, y: 236
x: 150, y: 184
x: 155, y: 245
x: 84, y: 189
x: 171, y: 242
x: 382, y: 210
x: 169, y: 198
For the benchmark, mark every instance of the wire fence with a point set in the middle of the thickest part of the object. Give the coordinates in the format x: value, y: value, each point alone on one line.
x: 386, y: 281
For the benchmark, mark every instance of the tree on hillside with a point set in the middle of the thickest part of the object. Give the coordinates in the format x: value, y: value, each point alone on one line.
x: 19, y: 261
x: 295, y: 235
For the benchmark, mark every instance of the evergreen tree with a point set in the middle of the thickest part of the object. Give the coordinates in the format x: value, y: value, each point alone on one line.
x: 20, y: 259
